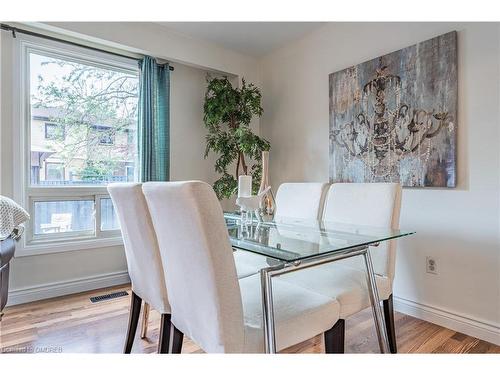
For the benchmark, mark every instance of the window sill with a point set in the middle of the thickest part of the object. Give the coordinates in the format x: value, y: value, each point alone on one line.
x: 25, y: 250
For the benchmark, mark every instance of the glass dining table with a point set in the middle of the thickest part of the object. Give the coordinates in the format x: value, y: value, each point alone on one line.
x: 294, y: 244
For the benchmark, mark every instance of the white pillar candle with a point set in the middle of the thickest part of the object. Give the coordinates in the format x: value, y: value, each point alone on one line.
x: 245, y: 186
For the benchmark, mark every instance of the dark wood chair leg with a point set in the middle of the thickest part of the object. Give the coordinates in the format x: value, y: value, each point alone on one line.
x: 389, y: 324
x: 133, y: 320
x: 164, y: 337
x: 177, y: 341
x: 334, y: 338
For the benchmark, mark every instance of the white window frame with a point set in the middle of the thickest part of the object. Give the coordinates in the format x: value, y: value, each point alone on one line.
x: 27, y: 194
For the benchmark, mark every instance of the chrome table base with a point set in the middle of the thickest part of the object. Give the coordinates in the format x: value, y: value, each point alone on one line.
x: 267, y: 274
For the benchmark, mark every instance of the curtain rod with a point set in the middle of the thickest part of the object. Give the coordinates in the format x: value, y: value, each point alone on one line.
x: 15, y: 30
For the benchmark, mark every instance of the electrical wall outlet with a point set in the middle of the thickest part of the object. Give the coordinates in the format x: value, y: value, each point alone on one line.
x: 431, y: 265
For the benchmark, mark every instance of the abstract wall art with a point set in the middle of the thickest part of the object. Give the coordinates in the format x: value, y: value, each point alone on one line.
x: 394, y: 118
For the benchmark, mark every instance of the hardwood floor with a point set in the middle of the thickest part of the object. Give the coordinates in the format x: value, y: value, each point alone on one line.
x: 73, y: 324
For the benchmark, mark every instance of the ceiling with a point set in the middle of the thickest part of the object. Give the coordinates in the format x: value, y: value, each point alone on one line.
x: 250, y: 38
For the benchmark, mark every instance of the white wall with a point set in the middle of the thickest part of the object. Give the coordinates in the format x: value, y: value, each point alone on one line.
x: 459, y: 227
x: 187, y: 130
x: 48, y: 275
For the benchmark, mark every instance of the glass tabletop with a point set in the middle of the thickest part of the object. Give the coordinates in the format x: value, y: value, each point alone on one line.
x: 292, y: 239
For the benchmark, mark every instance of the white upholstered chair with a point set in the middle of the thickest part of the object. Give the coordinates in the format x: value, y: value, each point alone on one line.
x: 139, y: 241
x: 143, y: 260
x: 248, y: 263
x: 301, y: 200
x: 209, y: 304
x: 371, y: 204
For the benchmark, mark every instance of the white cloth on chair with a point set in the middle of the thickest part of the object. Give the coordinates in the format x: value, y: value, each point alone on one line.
x: 12, y: 215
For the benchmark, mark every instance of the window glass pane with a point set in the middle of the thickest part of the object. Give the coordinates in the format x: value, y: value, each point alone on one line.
x: 54, y: 172
x: 64, y: 216
x: 109, y: 220
x: 54, y: 131
x: 83, y: 118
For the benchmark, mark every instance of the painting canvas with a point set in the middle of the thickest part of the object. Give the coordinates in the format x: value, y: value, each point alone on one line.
x: 394, y: 118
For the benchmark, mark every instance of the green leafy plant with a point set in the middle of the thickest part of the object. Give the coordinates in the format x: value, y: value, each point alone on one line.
x: 228, y: 112
x: 97, y: 169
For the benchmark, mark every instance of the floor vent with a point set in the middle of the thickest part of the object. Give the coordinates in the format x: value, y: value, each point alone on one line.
x: 106, y: 297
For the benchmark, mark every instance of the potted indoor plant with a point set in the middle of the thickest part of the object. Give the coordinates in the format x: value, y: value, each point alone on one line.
x: 228, y: 112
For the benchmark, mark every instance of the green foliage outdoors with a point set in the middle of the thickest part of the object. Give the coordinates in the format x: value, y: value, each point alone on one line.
x: 228, y: 112
x: 94, y: 170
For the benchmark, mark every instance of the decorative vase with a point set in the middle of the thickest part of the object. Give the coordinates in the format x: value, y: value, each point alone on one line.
x: 268, y: 204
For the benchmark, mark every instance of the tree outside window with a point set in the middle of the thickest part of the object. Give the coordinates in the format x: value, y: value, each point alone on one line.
x: 83, y: 118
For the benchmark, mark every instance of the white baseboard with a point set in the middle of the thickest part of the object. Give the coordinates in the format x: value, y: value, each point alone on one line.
x: 58, y: 289
x: 482, y: 330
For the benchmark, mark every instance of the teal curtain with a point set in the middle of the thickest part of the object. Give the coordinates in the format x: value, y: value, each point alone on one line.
x: 154, y: 121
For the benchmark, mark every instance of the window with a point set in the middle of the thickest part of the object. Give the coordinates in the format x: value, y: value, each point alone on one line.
x: 131, y: 137
x: 73, y: 217
x: 109, y: 220
x: 130, y: 173
x: 54, y: 131
x: 106, y: 137
x: 54, y: 172
x: 80, y: 115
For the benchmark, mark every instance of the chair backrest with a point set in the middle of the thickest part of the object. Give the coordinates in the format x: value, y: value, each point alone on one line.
x: 373, y: 204
x: 300, y: 199
x: 141, y: 247
x: 199, y: 265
